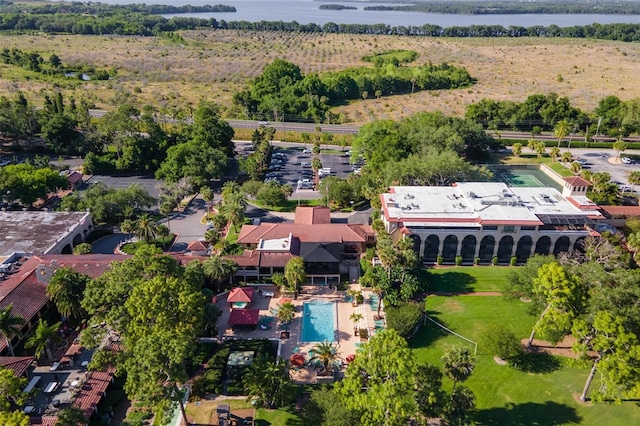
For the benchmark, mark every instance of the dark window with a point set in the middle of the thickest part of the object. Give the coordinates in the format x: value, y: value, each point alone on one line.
x: 490, y: 228
x: 528, y: 228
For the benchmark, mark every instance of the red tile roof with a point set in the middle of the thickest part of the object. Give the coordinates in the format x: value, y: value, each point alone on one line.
x: 319, y: 233
x: 240, y: 294
x: 93, y: 390
x: 19, y: 364
x: 28, y: 295
x: 274, y: 259
x: 74, y: 177
x: 312, y: 215
x: 197, y: 246
x: 244, y: 317
x: 577, y: 181
x: 43, y: 421
x: 247, y: 258
x: 621, y: 211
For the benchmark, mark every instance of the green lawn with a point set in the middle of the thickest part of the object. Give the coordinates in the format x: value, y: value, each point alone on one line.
x: 540, y: 392
x: 202, y: 413
x: 468, y: 278
x: 560, y: 169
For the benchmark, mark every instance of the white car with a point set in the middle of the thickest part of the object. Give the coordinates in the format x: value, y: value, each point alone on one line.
x: 307, y: 151
x: 263, y: 123
x: 625, y: 160
x: 305, y: 164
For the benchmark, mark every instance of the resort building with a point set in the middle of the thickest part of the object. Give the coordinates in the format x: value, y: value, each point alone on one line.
x: 42, y: 232
x: 330, y: 250
x: 483, y: 220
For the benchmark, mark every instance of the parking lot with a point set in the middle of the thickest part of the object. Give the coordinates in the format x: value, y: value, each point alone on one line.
x: 293, y: 164
x: 598, y: 161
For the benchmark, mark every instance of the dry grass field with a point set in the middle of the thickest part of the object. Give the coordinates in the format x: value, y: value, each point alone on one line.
x: 213, y: 64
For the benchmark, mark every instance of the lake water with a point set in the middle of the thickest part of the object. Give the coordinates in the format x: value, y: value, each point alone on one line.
x: 307, y: 11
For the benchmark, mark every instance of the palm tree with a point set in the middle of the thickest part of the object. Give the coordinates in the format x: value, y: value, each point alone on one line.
x: 356, y: 317
x: 229, y: 188
x: 10, y: 326
x: 634, y: 179
x: 554, y: 153
x: 42, y: 337
x: 561, y: 130
x: 516, y: 148
x: 294, y: 273
x: 71, y: 416
x: 286, y: 313
x: 66, y: 289
x: 566, y: 157
x: 218, y: 268
x: 268, y: 383
x: 316, y: 165
x: 458, y: 364
x: 575, y: 167
x: 145, y: 228
x: 531, y: 144
x: 234, y: 212
x: 325, y: 355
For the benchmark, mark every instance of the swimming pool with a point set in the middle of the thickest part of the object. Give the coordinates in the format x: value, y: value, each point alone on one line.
x: 318, y: 321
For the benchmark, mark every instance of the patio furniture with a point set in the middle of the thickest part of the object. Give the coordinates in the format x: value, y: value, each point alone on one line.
x: 295, y: 350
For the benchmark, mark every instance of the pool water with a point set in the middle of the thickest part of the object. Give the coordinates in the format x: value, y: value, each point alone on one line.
x: 318, y: 321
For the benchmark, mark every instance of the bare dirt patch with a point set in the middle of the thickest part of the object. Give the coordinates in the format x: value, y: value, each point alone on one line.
x: 213, y: 64
x: 561, y: 349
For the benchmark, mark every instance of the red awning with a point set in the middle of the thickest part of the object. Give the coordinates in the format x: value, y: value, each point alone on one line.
x: 244, y: 317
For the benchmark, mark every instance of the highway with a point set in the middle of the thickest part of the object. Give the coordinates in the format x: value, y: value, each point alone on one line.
x: 352, y: 129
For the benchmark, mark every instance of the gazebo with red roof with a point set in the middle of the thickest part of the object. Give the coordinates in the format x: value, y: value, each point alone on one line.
x: 244, y: 318
x: 240, y: 297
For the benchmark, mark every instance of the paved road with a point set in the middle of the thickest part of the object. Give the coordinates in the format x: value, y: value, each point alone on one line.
x: 107, y: 245
x: 187, y: 224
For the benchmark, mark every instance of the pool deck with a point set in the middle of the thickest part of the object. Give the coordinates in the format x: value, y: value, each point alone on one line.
x: 348, y: 343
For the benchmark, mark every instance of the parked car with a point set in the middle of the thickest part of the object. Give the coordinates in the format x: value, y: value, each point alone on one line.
x: 307, y: 151
x: 625, y: 160
x: 305, y: 164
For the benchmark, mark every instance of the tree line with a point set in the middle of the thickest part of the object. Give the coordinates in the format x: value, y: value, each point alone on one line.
x: 282, y: 89
x: 103, y: 9
x: 612, y: 117
x: 139, y: 22
x: 508, y: 7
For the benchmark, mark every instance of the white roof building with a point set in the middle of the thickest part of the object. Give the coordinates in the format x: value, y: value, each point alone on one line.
x: 490, y: 219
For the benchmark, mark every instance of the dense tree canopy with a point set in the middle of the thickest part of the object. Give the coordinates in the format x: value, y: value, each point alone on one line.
x: 109, y: 204
x: 380, y: 382
x: 28, y: 183
x: 157, y: 306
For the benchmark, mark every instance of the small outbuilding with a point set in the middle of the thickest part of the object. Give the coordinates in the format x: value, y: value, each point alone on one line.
x: 244, y: 318
x: 240, y: 297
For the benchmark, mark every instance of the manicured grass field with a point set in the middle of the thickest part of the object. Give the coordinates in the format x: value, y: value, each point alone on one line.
x: 541, y: 391
x: 468, y: 278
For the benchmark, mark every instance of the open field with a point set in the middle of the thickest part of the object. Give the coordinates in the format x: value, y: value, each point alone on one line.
x: 540, y: 392
x: 216, y: 63
x: 466, y: 279
x: 205, y: 413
